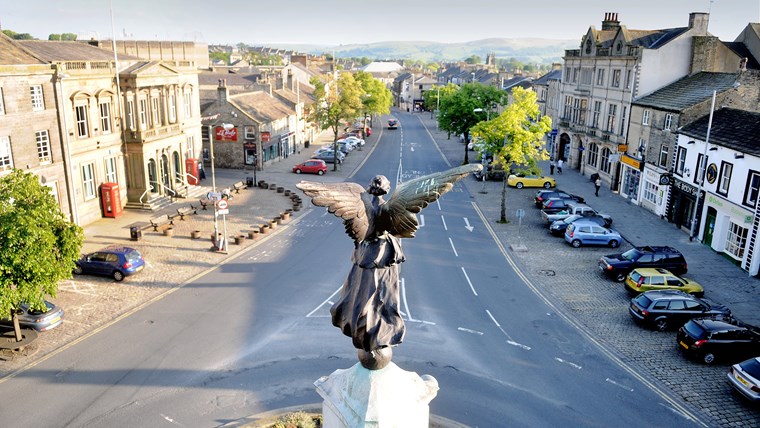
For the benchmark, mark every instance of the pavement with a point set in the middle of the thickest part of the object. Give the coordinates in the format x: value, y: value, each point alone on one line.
x: 566, y: 276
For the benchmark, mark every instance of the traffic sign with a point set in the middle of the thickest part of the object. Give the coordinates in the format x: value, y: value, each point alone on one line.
x: 222, y: 207
x: 520, y: 213
x: 213, y: 195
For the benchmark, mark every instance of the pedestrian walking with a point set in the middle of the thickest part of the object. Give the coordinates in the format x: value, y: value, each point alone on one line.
x: 551, y: 167
x: 559, y: 166
x: 597, y: 185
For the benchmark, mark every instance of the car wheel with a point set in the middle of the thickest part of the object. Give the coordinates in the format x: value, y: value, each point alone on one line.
x: 519, y: 185
x: 547, y: 185
x: 117, y: 275
x: 320, y: 172
x: 298, y: 171
x: 78, y: 270
x: 576, y: 243
x: 620, y: 277
x: 708, y: 358
x: 614, y: 243
x: 661, y: 324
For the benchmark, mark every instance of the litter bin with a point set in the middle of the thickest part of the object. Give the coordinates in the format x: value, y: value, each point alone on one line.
x: 135, y: 234
x: 249, y: 181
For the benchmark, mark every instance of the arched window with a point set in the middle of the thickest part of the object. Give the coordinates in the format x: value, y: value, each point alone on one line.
x: 605, y: 161
x: 593, y: 154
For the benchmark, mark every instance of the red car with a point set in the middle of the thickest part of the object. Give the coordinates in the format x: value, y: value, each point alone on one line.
x: 311, y: 166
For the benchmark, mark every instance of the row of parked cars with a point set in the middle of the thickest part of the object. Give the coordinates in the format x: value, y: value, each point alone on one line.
x: 344, y: 145
x: 661, y: 298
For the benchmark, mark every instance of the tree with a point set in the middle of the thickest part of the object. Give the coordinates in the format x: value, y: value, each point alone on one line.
x: 39, y: 245
x: 473, y: 59
x: 219, y: 56
x: 63, y: 36
x: 338, y: 99
x: 18, y: 36
x: 516, y: 136
x: 457, y: 109
x: 376, y: 97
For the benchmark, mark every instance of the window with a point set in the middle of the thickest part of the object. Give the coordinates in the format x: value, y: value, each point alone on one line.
x: 2, y: 103
x: 143, y: 112
x: 188, y: 104
x: 155, y: 111
x: 680, y: 160
x: 750, y: 193
x: 568, y: 107
x: 593, y: 154
x: 615, y: 78
x: 597, y: 113
x: 587, y: 76
x: 250, y: 132
x: 724, y: 180
x: 190, y: 153
x: 172, y: 108
x: 105, y: 117
x: 645, y: 117
x: 111, y: 170
x: 131, y: 115
x: 6, y: 157
x: 43, y: 146
x: 611, y: 113
x: 80, y: 112
x: 699, y: 169
x: 575, y: 74
x: 88, y: 181
x: 650, y: 192
x: 628, y: 76
x: 567, y: 74
x: 736, y: 240
x: 605, y: 164
x: 579, y: 111
x: 38, y: 103
x: 668, y: 122
x: 600, y: 77
x: 663, y: 162
x: 622, y: 120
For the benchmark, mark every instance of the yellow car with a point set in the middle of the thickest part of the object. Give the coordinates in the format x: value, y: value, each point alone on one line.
x: 645, y: 279
x: 521, y: 180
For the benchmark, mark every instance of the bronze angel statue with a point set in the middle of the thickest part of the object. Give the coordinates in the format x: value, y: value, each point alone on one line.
x: 368, y: 307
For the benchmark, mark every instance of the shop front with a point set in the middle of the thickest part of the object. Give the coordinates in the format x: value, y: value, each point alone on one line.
x: 683, y: 201
x: 726, y: 227
x: 631, y: 171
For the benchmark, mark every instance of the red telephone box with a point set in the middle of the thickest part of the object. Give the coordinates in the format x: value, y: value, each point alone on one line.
x: 191, y: 167
x: 111, y: 199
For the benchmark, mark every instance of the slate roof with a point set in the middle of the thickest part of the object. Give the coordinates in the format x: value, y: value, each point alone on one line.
x: 552, y: 75
x: 233, y: 79
x: 651, y: 39
x: 688, y: 91
x: 262, y: 107
x: 12, y: 54
x: 735, y: 129
x: 53, y: 51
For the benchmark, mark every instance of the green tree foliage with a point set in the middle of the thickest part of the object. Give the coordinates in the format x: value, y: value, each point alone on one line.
x: 18, y: 36
x: 431, y: 96
x: 39, y: 245
x: 364, y: 61
x: 516, y: 136
x: 457, y: 109
x: 473, y: 59
x: 63, y: 36
x: 219, y: 56
x: 338, y: 100
x: 376, y: 97
x: 433, y: 67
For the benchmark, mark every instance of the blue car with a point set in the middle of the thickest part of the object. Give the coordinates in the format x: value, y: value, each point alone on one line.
x: 584, y: 232
x: 116, y: 262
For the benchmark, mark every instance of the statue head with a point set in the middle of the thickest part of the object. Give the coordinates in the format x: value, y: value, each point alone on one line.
x: 379, y: 186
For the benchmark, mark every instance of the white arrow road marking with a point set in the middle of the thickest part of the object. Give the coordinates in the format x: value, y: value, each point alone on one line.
x: 467, y: 330
x: 422, y: 220
x: 469, y: 282
x: 620, y: 385
x: 444, y: 223
x: 573, y: 365
x: 467, y: 224
x: 453, y: 248
x: 519, y: 345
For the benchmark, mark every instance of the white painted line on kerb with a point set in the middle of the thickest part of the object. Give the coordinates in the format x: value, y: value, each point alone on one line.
x: 498, y: 325
x: 403, y: 297
x: 444, y: 223
x: 467, y: 330
x: 620, y: 385
x: 453, y: 248
x: 469, y: 282
x: 573, y: 365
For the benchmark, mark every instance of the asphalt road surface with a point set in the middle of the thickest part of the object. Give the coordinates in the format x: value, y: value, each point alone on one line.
x: 254, y: 334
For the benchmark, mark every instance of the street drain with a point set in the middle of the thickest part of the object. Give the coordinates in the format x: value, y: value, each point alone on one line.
x: 547, y: 272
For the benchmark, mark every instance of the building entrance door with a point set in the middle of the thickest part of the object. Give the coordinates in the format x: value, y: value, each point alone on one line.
x: 152, y: 176
x: 709, y: 226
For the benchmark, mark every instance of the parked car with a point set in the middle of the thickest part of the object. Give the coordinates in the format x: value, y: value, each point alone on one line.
x: 584, y: 232
x: 617, y: 266
x: 115, y: 261
x: 530, y: 180
x: 645, y: 279
x: 392, y: 123
x: 745, y: 378
x: 663, y: 309
x: 343, y: 147
x: 559, y: 211
x: 554, y: 205
x: 45, y: 320
x: 328, y: 155
x: 311, y: 166
x: 544, y: 194
x: 718, y: 338
x: 558, y: 227
x: 357, y: 142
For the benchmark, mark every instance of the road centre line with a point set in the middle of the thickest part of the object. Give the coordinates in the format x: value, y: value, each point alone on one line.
x: 467, y: 330
x: 444, y: 223
x: 469, y: 282
x: 403, y: 298
x: 618, y: 384
x: 498, y: 325
x: 453, y: 248
x: 573, y: 365
x: 519, y: 345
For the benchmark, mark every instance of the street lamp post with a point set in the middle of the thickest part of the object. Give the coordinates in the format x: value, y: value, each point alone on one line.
x: 217, y: 247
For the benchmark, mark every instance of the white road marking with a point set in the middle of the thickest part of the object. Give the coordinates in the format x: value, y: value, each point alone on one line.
x: 467, y: 330
x: 444, y: 223
x: 519, y: 345
x: 467, y: 224
x: 573, y: 365
x: 620, y: 385
x: 498, y: 325
x: 422, y: 220
x: 438, y: 202
x: 327, y: 300
x: 469, y: 282
x: 403, y: 297
x: 453, y: 248
x: 170, y: 420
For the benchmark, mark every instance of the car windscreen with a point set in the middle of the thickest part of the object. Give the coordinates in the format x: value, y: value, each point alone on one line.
x: 632, y: 254
x: 751, y: 367
x: 133, y: 256
x: 643, y: 300
x: 695, y: 330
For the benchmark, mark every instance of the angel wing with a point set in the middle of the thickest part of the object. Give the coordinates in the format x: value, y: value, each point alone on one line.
x: 398, y: 214
x: 345, y: 200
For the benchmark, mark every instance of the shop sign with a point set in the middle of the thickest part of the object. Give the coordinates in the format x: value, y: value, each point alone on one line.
x: 225, y: 134
x: 735, y: 210
x: 622, y: 148
x: 685, y: 188
x: 265, y: 136
x: 630, y: 161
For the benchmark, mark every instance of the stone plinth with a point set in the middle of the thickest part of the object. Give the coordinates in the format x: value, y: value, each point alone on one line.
x: 386, y: 398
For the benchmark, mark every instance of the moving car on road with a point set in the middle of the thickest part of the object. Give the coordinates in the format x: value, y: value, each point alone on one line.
x: 311, y: 166
x: 617, y: 266
x: 718, y: 338
x: 392, y: 123
x: 530, y: 180
x: 115, y: 261
x: 645, y: 279
x: 584, y: 232
x: 45, y: 320
x: 663, y: 309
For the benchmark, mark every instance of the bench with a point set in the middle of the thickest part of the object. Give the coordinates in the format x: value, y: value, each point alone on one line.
x: 237, y: 186
x: 182, y: 212
x: 159, y: 221
x: 205, y: 202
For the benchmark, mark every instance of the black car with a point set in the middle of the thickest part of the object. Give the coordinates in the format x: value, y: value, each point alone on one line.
x: 555, y: 205
x: 544, y: 194
x: 558, y: 227
x: 719, y: 338
x: 617, y: 266
x: 663, y: 309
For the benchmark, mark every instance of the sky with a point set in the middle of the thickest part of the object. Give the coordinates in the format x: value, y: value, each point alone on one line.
x: 341, y: 22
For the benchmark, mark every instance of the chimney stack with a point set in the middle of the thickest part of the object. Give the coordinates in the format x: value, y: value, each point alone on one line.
x: 698, y: 21
x: 223, y: 93
x: 610, y: 21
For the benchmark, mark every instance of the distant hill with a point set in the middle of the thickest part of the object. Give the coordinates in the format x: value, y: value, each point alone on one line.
x: 527, y: 50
